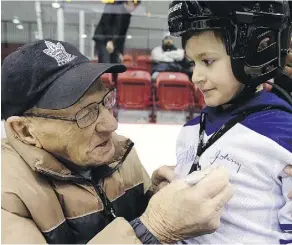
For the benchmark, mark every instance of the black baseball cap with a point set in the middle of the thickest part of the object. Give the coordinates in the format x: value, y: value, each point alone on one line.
x: 47, y: 74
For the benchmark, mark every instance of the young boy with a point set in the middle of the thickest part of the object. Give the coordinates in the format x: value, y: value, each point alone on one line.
x: 234, y: 48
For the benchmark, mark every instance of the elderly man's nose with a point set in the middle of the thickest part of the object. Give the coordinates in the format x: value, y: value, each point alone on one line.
x: 106, y: 122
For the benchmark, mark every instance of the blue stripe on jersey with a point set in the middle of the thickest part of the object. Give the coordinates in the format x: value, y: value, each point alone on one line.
x: 286, y: 227
x: 285, y: 241
x: 274, y: 124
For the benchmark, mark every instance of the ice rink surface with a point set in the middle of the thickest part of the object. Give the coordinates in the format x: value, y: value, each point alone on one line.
x: 155, y: 143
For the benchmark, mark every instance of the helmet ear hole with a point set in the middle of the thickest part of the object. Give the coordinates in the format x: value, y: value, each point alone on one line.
x: 264, y: 44
x: 261, y: 47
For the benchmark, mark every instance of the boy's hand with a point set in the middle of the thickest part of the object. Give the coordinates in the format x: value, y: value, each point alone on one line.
x: 288, y: 170
x: 161, y: 177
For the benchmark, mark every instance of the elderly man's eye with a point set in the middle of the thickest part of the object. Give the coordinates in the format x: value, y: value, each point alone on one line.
x: 87, y: 119
x: 82, y: 113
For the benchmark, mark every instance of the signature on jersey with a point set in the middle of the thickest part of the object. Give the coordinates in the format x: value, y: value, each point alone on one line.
x: 224, y: 156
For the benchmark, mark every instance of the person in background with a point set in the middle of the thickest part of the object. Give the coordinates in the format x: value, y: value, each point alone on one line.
x: 167, y: 51
x: 110, y: 33
x: 167, y: 57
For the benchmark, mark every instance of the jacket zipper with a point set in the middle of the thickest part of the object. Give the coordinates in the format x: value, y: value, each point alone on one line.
x: 108, y: 206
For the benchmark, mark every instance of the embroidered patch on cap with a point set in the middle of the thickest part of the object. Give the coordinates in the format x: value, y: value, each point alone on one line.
x: 58, y: 52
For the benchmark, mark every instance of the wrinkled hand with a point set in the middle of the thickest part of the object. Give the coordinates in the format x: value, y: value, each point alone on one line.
x: 110, y: 47
x: 161, y: 177
x: 288, y: 170
x: 180, y: 211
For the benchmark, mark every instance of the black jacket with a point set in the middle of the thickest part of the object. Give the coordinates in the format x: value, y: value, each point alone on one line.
x: 113, y: 25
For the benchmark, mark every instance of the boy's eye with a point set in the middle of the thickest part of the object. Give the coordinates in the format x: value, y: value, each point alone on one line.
x: 208, y: 62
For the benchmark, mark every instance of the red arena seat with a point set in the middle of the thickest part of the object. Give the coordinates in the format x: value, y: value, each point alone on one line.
x: 145, y: 62
x: 136, y: 68
x: 173, y: 91
x: 128, y: 60
x: 134, y: 90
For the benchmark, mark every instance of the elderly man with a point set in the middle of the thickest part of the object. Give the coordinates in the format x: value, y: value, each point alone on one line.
x: 67, y: 177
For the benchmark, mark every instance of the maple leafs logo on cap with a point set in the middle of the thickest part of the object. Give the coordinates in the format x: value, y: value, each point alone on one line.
x: 58, y: 52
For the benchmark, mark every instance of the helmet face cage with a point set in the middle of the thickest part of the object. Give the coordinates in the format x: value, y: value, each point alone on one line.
x: 257, y: 34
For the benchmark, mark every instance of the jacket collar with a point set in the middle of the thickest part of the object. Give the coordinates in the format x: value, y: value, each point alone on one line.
x: 44, y: 162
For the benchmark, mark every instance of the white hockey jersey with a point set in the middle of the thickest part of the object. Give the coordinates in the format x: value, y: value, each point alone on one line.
x: 255, y: 151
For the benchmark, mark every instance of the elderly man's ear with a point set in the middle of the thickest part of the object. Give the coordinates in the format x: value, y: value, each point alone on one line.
x: 23, y: 128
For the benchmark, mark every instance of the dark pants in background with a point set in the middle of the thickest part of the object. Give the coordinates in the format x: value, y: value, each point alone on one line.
x: 104, y: 56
